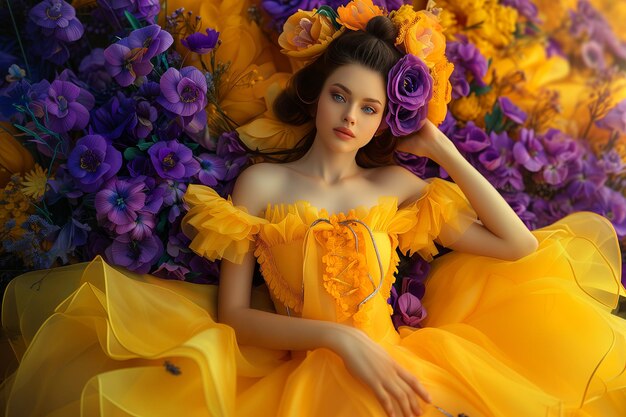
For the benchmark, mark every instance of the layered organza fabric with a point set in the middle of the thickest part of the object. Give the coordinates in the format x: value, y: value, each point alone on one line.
x: 533, y: 337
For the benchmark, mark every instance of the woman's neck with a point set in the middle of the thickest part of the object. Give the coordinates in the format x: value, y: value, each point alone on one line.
x: 329, y: 167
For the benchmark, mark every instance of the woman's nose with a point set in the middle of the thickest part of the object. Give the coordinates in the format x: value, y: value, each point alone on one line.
x: 349, y: 116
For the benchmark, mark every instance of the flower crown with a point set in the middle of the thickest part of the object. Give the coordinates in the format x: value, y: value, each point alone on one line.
x: 418, y: 85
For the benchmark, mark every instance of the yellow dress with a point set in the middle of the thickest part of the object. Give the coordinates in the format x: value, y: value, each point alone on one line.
x: 529, y: 338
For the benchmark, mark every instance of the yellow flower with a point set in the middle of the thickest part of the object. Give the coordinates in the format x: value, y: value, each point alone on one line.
x: 266, y: 132
x: 306, y: 34
x: 442, y: 91
x: 35, y: 183
x: 14, y: 157
x: 357, y: 13
x: 466, y: 108
x: 420, y: 34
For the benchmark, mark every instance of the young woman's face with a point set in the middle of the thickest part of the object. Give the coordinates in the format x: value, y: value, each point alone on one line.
x: 350, y: 107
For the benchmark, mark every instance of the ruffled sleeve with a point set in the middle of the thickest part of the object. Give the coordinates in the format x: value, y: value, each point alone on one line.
x: 442, y: 213
x: 216, y: 227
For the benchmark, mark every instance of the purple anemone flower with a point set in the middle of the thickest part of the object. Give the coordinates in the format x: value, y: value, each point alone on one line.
x: 173, y: 160
x: 93, y: 70
x: 58, y: 17
x: 151, y: 38
x: 136, y: 255
x: 511, y: 111
x: 126, y: 64
x: 529, y: 151
x: 92, y: 162
x: 471, y: 138
x: 212, y: 169
x: 115, y: 116
x: 119, y: 201
x: 183, y: 93
x: 200, y: 43
x: 141, y: 228
x: 615, y: 119
x: 64, y: 111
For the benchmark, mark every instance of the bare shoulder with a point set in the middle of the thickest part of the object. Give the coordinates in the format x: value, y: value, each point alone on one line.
x: 399, y: 181
x: 257, y: 185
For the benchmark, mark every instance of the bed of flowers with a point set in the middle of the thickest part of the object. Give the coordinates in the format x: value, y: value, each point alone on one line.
x: 110, y: 108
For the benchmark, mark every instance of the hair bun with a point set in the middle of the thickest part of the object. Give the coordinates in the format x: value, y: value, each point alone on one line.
x: 383, y: 28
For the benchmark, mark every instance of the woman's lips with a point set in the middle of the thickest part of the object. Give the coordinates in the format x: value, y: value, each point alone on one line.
x: 344, y: 133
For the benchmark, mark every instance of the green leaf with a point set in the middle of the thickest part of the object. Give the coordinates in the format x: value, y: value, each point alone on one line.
x: 162, y: 222
x: 478, y: 90
x: 132, y: 153
x: 144, y: 145
x: 493, y: 120
x: 192, y: 145
x: 330, y: 13
x: 134, y: 23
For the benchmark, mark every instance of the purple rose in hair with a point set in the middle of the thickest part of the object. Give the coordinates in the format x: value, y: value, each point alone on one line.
x: 409, y: 89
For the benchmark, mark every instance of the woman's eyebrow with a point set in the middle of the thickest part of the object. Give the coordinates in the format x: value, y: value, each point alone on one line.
x: 373, y: 100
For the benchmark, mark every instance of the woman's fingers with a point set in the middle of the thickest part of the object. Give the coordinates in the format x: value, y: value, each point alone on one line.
x: 414, y: 383
x: 404, y: 396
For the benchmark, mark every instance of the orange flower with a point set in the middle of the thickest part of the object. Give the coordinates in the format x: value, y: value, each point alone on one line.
x: 442, y: 91
x: 357, y: 13
x: 306, y: 34
x: 420, y: 34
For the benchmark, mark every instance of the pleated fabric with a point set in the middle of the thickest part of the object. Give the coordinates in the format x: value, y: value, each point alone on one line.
x: 533, y: 337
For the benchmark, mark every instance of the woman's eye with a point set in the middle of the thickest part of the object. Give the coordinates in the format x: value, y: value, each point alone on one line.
x: 369, y: 110
x: 338, y: 98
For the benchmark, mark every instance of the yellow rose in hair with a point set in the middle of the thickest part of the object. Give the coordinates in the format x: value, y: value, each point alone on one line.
x: 420, y: 34
x: 442, y: 91
x: 306, y: 34
x: 357, y: 13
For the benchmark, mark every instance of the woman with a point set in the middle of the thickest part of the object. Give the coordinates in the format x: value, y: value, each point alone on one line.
x: 506, y: 312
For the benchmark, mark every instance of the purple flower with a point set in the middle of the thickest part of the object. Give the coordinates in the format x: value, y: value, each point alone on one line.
x: 612, y: 163
x: 415, y: 164
x: 119, y: 201
x: 171, y: 270
x: 152, y: 39
x: 613, y: 207
x: 147, y: 9
x: 63, y: 186
x: 184, y: 92
x: 139, y: 229
x: 173, y: 160
x: 212, y: 169
x: 528, y: 151
x: 511, y: 111
x: 200, y: 43
x: 280, y: 10
x: 409, y: 89
x: 140, y: 165
x: 136, y: 255
x: 71, y: 236
x: 114, y: 117
x: 59, y: 18
x: 520, y: 203
x: 615, y: 119
x: 93, y: 70
x: 586, y: 177
x: 409, y: 311
x: 229, y: 146
x: 173, y: 192
x: 146, y: 116
x: 64, y: 111
x: 593, y: 55
x: 471, y: 138
x: 92, y: 162
x: 469, y: 63
x: 126, y: 64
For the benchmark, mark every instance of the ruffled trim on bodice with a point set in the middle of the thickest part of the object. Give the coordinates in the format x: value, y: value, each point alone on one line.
x: 216, y: 227
x: 441, y: 213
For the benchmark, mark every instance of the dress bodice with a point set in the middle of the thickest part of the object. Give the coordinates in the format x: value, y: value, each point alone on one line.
x: 336, y: 267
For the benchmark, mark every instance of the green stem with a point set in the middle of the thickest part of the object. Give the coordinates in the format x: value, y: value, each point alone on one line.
x: 19, y: 39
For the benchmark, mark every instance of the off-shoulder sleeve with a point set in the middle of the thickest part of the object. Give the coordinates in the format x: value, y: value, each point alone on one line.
x: 442, y: 213
x: 216, y: 227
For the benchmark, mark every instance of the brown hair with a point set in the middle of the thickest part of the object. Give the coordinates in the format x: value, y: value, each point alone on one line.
x: 373, y: 48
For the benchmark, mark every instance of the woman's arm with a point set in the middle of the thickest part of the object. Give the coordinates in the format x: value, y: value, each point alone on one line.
x: 502, y: 234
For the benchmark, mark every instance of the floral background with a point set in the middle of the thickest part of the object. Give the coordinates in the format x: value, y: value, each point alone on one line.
x: 110, y: 108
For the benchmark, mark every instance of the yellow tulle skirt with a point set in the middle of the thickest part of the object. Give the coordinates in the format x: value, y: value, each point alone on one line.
x: 529, y: 338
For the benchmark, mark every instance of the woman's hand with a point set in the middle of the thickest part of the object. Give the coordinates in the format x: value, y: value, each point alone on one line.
x: 429, y: 142
x: 395, y: 387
